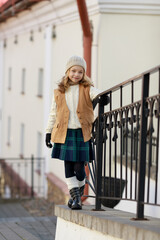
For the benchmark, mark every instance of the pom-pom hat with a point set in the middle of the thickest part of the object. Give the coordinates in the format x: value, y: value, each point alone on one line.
x: 76, y: 61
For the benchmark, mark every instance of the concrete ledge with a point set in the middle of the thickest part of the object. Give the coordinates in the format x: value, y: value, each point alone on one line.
x: 113, y: 223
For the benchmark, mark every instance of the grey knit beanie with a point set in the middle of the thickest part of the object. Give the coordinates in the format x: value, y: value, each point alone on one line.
x: 76, y: 60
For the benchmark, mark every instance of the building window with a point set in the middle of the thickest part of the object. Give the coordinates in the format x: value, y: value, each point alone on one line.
x: 40, y: 83
x: 39, y: 151
x: 23, y: 79
x: 9, y: 131
x: 22, y: 140
x: 9, y: 78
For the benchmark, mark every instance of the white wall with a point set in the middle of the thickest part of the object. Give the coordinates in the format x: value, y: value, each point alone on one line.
x: 1, y: 93
x: 130, y: 206
x: 128, y: 45
x: 27, y: 108
x: 69, y: 231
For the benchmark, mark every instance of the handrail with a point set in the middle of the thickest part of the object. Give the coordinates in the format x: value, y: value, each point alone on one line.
x: 123, y: 139
x: 125, y: 83
x: 22, y: 177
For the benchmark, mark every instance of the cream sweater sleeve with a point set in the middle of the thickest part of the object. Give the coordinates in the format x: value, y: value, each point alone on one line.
x: 52, y: 116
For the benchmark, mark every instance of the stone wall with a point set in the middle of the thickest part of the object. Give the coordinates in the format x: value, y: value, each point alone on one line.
x: 57, y: 190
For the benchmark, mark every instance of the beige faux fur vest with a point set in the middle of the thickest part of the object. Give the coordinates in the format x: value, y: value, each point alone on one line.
x: 84, y: 113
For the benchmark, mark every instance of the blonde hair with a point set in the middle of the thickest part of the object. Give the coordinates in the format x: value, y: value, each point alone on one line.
x: 65, y: 82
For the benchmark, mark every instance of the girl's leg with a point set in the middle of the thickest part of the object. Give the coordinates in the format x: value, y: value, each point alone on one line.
x: 70, y: 175
x: 69, y: 169
x: 73, y: 186
x: 79, y: 169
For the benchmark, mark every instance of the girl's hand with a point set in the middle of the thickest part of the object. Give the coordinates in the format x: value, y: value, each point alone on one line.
x: 48, y: 139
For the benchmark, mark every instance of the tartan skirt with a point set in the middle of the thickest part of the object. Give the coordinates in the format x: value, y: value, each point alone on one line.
x: 74, y: 149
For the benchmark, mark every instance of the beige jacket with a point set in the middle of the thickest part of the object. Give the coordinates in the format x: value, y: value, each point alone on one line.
x: 84, y: 113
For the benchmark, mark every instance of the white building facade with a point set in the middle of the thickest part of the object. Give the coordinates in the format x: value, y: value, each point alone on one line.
x: 34, y: 48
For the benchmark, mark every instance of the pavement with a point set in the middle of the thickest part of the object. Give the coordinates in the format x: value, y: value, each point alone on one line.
x: 17, y: 223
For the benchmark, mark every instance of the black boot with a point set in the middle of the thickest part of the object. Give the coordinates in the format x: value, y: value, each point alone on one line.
x: 75, y: 194
x: 70, y: 202
x: 81, y: 194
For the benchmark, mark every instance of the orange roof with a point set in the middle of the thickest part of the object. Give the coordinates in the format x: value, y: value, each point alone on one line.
x: 10, y: 8
x: 2, y: 2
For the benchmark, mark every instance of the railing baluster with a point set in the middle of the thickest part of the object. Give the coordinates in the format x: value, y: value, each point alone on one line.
x: 115, y: 151
x: 132, y: 121
x: 157, y: 114
x: 104, y: 156
x: 131, y: 161
x: 157, y: 156
x: 99, y: 155
x: 136, y: 147
x: 32, y: 176
x: 150, y: 132
x: 92, y: 175
x: 142, y: 151
x: 25, y: 191
x: 18, y: 180
x: 121, y: 138
x: 126, y: 153
x: 110, y: 146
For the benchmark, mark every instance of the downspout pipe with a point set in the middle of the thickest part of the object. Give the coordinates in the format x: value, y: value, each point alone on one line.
x: 87, y: 34
x: 87, y: 47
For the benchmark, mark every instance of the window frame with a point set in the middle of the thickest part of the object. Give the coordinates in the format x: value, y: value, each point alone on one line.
x: 40, y: 83
x: 23, y: 81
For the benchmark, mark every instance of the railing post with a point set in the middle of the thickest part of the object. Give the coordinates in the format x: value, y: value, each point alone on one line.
x: 142, y: 149
x: 32, y: 176
x: 99, y: 152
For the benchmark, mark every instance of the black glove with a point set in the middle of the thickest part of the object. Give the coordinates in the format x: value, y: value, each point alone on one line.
x: 48, y: 139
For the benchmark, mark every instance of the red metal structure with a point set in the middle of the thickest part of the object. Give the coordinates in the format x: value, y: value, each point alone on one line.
x: 87, y: 34
x: 87, y: 47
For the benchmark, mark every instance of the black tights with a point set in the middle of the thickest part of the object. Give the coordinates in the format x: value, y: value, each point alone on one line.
x: 75, y: 169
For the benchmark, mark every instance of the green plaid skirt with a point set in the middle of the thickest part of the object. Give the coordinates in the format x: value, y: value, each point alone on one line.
x: 74, y: 149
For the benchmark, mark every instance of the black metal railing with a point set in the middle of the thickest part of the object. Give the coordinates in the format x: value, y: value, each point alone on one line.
x: 123, y: 136
x: 22, y: 177
x: 134, y: 137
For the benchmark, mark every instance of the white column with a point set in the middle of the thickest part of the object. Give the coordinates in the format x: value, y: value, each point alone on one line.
x: 47, y: 91
x: 1, y: 92
x: 95, y: 53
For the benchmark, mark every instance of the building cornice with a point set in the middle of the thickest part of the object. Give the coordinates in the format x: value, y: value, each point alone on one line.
x: 148, y: 7
x: 56, y: 12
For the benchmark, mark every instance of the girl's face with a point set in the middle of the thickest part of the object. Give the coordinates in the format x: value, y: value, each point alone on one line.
x: 76, y: 74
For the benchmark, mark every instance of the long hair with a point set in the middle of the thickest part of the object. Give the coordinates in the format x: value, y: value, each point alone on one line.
x: 65, y: 82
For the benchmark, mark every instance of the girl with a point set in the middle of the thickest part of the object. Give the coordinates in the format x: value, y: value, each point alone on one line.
x: 70, y: 124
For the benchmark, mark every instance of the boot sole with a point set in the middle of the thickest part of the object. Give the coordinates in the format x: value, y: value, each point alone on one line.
x: 76, y: 207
